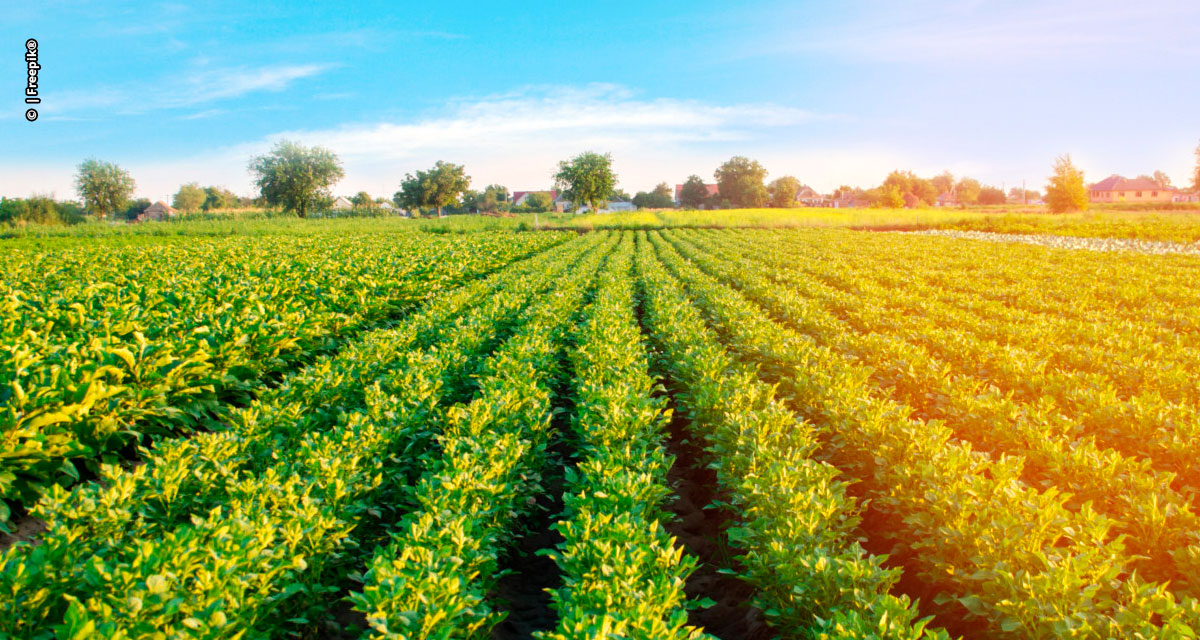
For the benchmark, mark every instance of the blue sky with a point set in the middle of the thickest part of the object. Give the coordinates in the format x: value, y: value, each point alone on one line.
x: 831, y: 93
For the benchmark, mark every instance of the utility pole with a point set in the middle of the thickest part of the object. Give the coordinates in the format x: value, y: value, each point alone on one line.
x: 1024, y: 193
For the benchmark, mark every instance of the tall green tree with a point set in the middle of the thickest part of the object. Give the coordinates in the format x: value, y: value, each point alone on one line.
x: 908, y: 182
x: 693, y: 194
x: 296, y: 177
x: 103, y: 186
x: 361, y: 199
x: 189, y: 198
x: 219, y: 198
x: 439, y: 187
x: 783, y: 191
x: 539, y: 202
x: 991, y: 195
x: 587, y: 178
x: 740, y: 180
x: 967, y: 190
x: 659, y: 198
x: 494, y: 196
x: 1066, y: 190
x: 943, y: 182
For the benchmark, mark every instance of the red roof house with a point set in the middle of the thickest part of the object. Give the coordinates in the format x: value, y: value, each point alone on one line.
x: 1121, y: 189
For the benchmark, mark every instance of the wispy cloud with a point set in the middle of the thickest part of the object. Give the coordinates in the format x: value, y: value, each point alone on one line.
x: 534, y: 117
x: 196, y: 87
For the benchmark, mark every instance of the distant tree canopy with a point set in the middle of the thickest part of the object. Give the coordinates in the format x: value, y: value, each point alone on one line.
x: 740, y: 181
x: 439, y: 187
x: 659, y: 198
x: 103, y: 186
x: 39, y: 210
x: 219, y: 198
x: 783, y: 191
x: 968, y: 190
x: 1066, y: 190
x: 362, y: 199
x: 493, y: 198
x: 587, y: 178
x: 538, y: 202
x: 693, y: 194
x: 189, y: 198
x: 991, y: 195
x: 944, y: 182
x: 133, y: 209
x: 907, y: 182
x: 887, y: 196
x: 296, y: 177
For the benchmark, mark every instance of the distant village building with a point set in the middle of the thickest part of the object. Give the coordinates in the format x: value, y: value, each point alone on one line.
x: 809, y: 197
x: 947, y: 199
x: 1120, y: 189
x: 1181, y: 196
x: 611, y: 207
x: 157, y: 211
x: 342, y: 203
x: 713, y: 190
x: 519, y: 198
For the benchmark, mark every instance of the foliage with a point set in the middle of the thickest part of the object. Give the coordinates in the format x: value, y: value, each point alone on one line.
x: 38, y: 210
x: 660, y: 198
x: 740, y: 181
x: 888, y: 197
x: 783, y: 191
x: 693, y: 194
x: 190, y: 198
x: 295, y: 177
x: 437, y: 188
x: 103, y: 186
x: 587, y: 178
x: 991, y: 195
x: 1066, y: 190
x: 133, y: 209
x: 906, y: 182
x: 968, y: 190
x: 221, y: 198
x: 361, y: 199
x: 944, y: 183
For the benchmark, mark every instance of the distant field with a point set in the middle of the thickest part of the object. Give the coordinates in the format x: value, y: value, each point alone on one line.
x: 1181, y: 224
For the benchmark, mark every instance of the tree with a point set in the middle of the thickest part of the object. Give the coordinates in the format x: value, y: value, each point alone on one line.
x: 219, y: 198
x: 493, y: 197
x: 1066, y: 190
x: 887, y: 196
x: 361, y: 199
x: 694, y: 193
x: 991, y: 195
x: 538, y: 202
x: 944, y: 183
x: 438, y: 187
x: 134, y: 208
x: 190, y: 197
x: 103, y: 186
x: 586, y: 178
x: 967, y: 190
x: 907, y: 182
x: 296, y: 177
x: 740, y: 181
x: 38, y: 209
x: 619, y: 195
x: 783, y: 191
x: 653, y: 200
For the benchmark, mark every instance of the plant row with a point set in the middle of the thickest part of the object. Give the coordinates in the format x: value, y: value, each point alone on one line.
x: 434, y: 577
x: 796, y: 523
x: 622, y: 574
x: 99, y: 350
x: 990, y: 549
x: 256, y: 529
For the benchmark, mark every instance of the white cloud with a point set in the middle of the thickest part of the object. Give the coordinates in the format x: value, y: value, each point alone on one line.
x: 199, y: 86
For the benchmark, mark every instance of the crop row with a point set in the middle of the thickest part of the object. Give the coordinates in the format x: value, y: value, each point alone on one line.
x: 1159, y: 521
x: 258, y: 527
x: 622, y: 574
x: 988, y: 547
x: 795, y: 522
x: 434, y: 577
x: 100, y: 349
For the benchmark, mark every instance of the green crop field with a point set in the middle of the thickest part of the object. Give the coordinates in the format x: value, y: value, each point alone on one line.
x: 623, y: 427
